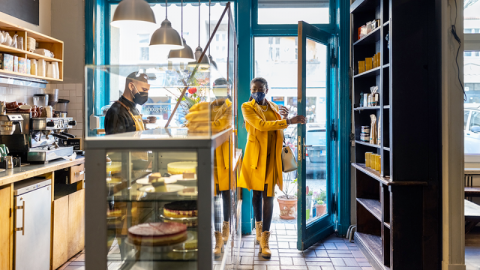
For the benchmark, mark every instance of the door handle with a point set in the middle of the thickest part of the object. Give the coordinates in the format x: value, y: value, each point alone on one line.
x: 79, y: 173
x: 23, y: 219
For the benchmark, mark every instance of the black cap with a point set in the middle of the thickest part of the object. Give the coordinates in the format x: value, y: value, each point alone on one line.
x: 138, y: 76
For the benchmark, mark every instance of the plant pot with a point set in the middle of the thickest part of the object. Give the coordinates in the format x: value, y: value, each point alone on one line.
x: 321, y: 209
x: 288, y: 207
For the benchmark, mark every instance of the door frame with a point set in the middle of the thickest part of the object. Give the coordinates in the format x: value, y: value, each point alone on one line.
x: 308, y: 234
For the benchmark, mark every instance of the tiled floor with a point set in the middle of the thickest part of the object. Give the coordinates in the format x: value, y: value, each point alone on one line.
x: 332, y: 253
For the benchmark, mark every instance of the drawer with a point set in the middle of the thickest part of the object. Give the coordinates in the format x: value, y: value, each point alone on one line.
x: 77, y: 173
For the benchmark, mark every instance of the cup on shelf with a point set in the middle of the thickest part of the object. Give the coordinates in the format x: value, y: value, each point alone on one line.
x: 368, y: 63
x: 378, y: 163
x: 20, y: 43
x: 31, y: 43
x: 372, y: 161
x: 361, y: 67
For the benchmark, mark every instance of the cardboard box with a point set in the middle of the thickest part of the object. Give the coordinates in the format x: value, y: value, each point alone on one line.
x: 22, y: 65
x: 6, y: 61
x: 15, y: 63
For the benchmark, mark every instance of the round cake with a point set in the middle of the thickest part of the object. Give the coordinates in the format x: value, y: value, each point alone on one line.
x: 180, y: 209
x: 182, y: 167
x: 158, y: 234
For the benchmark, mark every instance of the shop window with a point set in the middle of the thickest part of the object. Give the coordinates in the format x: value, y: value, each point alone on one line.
x: 290, y: 12
x: 466, y: 114
x: 472, y: 104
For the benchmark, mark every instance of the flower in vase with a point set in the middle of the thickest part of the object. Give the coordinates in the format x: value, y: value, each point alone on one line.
x: 192, y: 90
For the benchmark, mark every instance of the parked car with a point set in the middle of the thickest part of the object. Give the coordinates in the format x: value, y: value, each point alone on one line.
x: 471, y: 128
x: 316, y: 153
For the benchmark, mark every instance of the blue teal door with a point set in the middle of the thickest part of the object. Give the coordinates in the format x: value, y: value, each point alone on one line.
x: 316, y: 144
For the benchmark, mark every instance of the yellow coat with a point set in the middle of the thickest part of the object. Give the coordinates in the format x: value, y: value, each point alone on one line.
x: 255, y: 159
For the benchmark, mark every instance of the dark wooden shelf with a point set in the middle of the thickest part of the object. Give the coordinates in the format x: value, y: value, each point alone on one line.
x: 366, y: 108
x: 371, y: 245
x: 362, y: 5
x: 371, y: 38
x: 373, y: 206
x: 367, y: 144
x: 387, y: 224
x: 372, y: 173
x: 369, y: 73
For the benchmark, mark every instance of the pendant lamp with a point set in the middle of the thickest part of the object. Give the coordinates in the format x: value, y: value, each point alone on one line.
x: 204, y: 65
x: 185, y: 54
x: 166, y: 37
x: 133, y: 13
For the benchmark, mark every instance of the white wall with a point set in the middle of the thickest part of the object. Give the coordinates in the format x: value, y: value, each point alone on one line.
x: 45, y: 24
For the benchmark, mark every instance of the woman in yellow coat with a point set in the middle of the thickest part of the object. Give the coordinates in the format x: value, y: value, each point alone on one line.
x: 262, y: 164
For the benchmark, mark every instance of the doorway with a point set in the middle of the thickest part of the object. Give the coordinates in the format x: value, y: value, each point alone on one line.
x: 276, y: 58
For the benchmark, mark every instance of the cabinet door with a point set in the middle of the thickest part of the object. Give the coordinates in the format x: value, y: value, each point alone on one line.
x: 5, y: 235
x: 76, y: 222
x: 60, y: 232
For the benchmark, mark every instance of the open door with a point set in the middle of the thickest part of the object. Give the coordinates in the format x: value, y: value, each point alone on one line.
x: 316, y: 140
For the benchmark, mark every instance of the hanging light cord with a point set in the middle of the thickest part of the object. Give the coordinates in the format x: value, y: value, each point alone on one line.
x: 199, y: 23
x: 166, y: 8
x: 181, y: 8
x: 209, y: 3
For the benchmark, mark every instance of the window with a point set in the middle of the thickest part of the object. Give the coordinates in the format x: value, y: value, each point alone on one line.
x: 296, y: 53
x: 144, y: 40
x: 471, y: 72
x: 277, y: 40
x: 277, y: 53
x: 223, y: 37
x: 466, y: 114
x: 217, y: 37
x: 290, y: 12
x: 270, y: 53
x: 270, y: 40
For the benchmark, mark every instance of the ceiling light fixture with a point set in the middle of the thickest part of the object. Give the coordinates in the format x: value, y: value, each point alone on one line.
x: 133, y: 13
x: 166, y: 37
x: 204, y: 65
x: 185, y: 54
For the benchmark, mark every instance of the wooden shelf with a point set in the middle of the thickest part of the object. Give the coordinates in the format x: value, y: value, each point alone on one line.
x: 371, y: 38
x: 372, y: 173
x: 371, y: 245
x: 369, y: 73
x: 28, y: 75
x: 29, y: 55
x: 373, y: 206
x: 362, y: 5
x: 366, y: 108
x: 368, y: 144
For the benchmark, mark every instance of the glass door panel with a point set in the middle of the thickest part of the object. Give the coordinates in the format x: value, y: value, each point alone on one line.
x: 315, y: 219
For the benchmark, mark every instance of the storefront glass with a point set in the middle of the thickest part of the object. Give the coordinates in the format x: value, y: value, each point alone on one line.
x: 290, y: 12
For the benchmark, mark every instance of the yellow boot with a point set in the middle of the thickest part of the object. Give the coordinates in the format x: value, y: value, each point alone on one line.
x: 258, y: 230
x: 225, y: 231
x: 218, y: 245
x: 264, y: 248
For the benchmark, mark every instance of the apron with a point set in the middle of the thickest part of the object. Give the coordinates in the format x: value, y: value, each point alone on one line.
x: 137, y: 119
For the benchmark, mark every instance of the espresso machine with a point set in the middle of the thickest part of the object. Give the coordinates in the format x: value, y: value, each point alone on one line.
x: 40, y: 139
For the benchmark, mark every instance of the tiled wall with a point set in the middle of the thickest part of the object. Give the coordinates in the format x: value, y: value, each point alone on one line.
x: 75, y: 93
x: 10, y: 93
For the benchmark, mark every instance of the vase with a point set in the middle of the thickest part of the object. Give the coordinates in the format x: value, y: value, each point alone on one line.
x: 288, y: 207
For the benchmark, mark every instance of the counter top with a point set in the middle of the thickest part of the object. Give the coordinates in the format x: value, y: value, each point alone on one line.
x: 21, y: 173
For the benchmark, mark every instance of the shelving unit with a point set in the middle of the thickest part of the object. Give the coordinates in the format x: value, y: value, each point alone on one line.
x: 398, y: 208
x: 45, y: 42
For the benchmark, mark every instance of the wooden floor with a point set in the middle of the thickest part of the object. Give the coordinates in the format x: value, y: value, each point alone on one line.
x: 472, y: 249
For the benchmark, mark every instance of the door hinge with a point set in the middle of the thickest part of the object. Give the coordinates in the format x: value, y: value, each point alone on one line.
x: 333, y: 131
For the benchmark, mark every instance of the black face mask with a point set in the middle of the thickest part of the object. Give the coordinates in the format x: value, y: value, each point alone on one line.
x: 140, y: 97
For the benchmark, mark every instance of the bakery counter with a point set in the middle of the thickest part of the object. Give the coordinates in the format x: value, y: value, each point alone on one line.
x: 25, y: 172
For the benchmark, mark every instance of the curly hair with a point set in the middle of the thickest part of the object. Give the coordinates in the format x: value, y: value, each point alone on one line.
x: 261, y: 80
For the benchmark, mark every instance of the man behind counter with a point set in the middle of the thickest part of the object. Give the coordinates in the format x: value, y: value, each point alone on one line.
x: 122, y: 115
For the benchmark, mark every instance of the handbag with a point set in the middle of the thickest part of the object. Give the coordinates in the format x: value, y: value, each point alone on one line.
x: 289, y: 162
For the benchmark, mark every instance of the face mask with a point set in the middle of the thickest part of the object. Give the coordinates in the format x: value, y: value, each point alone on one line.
x: 140, y: 97
x: 258, y: 96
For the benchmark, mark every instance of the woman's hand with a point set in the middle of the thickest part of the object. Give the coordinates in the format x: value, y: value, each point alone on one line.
x: 299, y: 119
x: 283, y: 111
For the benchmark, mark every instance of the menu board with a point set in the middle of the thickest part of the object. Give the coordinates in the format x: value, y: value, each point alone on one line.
x: 26, y: 10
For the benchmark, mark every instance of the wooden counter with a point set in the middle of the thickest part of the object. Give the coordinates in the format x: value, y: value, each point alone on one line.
x: 21, y: 173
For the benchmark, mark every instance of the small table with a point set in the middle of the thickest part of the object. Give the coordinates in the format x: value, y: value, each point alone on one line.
x: 472, y: 215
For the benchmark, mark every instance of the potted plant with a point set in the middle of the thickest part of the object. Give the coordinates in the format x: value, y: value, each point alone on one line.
x: 320, y: 206
x: 288, y: 201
